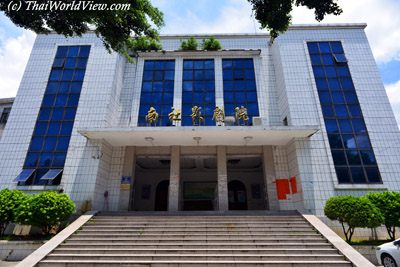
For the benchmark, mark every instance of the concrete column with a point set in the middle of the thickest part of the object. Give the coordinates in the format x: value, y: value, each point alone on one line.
x: 174, y: 179
x: 219, y: 86
x: 177, y: 104
x: 137, y: 91
x: 128, y: 170
x: 269, y: 178
x: 223, y: 204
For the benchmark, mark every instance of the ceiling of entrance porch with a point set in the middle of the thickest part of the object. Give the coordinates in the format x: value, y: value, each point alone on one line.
x: 201, y: 136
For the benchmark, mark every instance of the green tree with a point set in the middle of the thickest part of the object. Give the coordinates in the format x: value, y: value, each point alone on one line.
x: 389, y: 205
x: 275, y: 14
x: 46, y: 210
x: 143, y: 44
x: 9, y: 201
x: 211, y: 44
x: 353, y: 212
x: 116, y: 28
x: 190, y: 44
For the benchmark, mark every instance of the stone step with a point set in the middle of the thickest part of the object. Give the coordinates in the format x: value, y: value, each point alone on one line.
x: 201, y: 219
x: 194, y: 240
x: 195, y: 256
x: 186, y: 234
x: 203, y: 224
x: 196, y: 214
x: 193, y: 245
x: 193, y: 228
x: 135, y: 263
x: 221, y: 251
x: 145, y: 231
x: 193, y: 219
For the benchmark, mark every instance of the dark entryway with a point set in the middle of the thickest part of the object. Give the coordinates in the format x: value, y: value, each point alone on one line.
x: 199, y: 195
x: 237, y: 195
x: 161, y: 202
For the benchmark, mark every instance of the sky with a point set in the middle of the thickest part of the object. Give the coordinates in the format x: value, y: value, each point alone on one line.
x: 234, y: 16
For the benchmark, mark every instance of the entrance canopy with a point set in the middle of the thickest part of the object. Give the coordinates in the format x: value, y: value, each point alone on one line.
x: 201, y: 135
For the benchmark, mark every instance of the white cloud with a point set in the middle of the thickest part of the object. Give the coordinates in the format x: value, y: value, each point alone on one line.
x: 381, y: 16
x: 235, y: 17
x: 14, y: 55
x: 393, y: 92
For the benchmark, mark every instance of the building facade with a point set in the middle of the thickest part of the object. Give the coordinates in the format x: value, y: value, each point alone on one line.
x: 256, y: 125
x: 5, y: 109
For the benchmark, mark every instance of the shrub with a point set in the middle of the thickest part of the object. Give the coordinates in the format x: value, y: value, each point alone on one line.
x: 9, y: 201
x: 353, y: 212
x: 143, y: 44
x: 190, y: 44
x: 211, y: 44
x: 389, y: 205
x: 45, y: 210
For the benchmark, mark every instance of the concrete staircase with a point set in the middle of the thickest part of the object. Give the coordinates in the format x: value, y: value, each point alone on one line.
x: 132, y: 240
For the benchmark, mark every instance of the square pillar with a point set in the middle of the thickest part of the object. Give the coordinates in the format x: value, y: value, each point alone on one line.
x: 223, y: 204
x: 174, y: 179
x: 128, y: 171
x: 269, y: 178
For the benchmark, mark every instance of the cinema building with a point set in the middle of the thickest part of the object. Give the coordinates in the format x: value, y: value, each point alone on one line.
x: 257, y: 125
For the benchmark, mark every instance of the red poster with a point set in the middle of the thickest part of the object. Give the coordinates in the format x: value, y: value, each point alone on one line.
x: 282, y: 188
x: 293, y: 184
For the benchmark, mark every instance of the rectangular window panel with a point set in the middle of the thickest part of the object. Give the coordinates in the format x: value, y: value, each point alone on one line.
x: 157, y: 91
x: 198, y: 90
x: 350, y: 145
x: 54, y: 124
x: 51, y: 174
x: 24, y: 175
x: 240, y: 88
x: 4, y: 115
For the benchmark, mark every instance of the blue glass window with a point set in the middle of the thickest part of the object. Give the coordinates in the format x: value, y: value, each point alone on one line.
x: 54, y: 124
x: 58, y: 63
x: 198, y: 89
x: 51, y: 174
x: 25, y: 175
x: 340, y: 58
x: 240, y: 86
x: 343, y: 175
x: 157, y: 90
x: 348, y: 137
x: 59, y: 159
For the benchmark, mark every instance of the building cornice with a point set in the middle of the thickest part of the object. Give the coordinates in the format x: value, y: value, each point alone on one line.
x: 317, y: 26
x: 328, y: 26
x: 7, y: 100
x: 200, y: 53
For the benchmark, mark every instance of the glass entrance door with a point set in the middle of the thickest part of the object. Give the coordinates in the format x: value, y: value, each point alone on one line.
x: 237, y: 196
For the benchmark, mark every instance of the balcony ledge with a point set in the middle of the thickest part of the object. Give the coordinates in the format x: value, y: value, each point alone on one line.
x: 201, y: 136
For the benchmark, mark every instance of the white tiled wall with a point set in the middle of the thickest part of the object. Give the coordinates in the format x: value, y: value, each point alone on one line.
x: 299, y: 99
x: 285, y: 85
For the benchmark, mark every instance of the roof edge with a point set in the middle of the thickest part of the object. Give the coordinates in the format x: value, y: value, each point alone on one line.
x: 316, y: 26
x: 7, y: 100
x: 328, y: 26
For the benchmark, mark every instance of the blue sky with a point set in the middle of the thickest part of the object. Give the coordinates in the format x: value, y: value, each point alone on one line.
x: 234, y: 16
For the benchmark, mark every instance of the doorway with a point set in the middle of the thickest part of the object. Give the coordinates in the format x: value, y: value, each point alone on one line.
x: 237, y: 195
x: 199, y: 183
x: 150, y: 191
x: 161, y: 202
